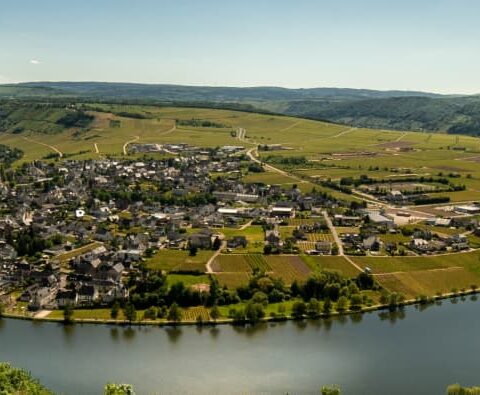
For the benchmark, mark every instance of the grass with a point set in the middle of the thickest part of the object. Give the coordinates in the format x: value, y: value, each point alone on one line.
x: 187, y: 279
x: 338, y: 263
x: 179, y: 260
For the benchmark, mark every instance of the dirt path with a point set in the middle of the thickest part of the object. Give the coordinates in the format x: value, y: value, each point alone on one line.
x: 443, y: 269
x: 42, y: 314
x: 290, y: 127
x: 208, y: 266
x: 342, y: 133
x: 55, y: 149
x: 245, y: 226
x: 96, y: 148
x: 401, y: 137
x: 129, y: 142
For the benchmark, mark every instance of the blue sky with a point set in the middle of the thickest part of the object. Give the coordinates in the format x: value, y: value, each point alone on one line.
x: 431, y: 45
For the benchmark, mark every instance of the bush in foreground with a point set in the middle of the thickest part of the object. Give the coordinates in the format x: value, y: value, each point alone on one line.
x: 18, y: 381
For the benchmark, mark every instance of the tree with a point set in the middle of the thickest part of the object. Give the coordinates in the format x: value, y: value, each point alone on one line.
x: 267, y: 249
x: 130, y: 312
x: 2, y: 310
x: 299, y: 309
x: 254, y: 312
x: 68, y: 314
x: 118, y: 389
x: 214, y: 313
x: 150, y: 313
x: 174, y: 313
x: 342, y: 303
x: 327, y: 306
x: 330, y: 390
x: 217, y: 243
x: 193, y: 250
x: 313, y: 308
x: 114, y: 311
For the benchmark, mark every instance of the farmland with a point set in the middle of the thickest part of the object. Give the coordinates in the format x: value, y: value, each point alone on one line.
x: 178, y: 261
x: 333, y: 151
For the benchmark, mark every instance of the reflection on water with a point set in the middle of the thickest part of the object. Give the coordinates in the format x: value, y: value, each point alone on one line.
x: 392, y: 315
x: 174, y: 333
x: 354, y: 351
x: 114, y: 334
x: 129, y: 333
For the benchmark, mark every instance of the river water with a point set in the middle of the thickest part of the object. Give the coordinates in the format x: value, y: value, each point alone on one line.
x: 418, y: 351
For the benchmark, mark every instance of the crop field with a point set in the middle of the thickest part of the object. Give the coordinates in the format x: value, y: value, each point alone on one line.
x: 233, y: 280
x: 428, y: 282
x: 233, y: 263
x: 288, y: 268
x: 258, y: 262
x: 338, y: 263
x: 178, y: 261
x: 303, y: 221
x: 314, y: 237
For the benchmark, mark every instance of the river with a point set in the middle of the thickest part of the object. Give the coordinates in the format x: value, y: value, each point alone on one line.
x: 418, y: 351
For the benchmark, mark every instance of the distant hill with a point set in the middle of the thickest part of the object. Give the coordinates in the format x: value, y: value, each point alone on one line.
x: 402, y: 110
x: 202, y: 93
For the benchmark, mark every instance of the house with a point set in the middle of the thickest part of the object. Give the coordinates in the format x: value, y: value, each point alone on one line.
x: 202, y: 239
x: 87, y: 294
x: 372, y: 243
x: 345, y: 220
x: 272, y: 237
x: 41, y: 296
x: 66, y: 297
x: 284, y: 212
x: 323, y: 247
x: 237, y: 241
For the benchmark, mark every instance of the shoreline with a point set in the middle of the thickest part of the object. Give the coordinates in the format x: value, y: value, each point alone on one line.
x: 229, y: 321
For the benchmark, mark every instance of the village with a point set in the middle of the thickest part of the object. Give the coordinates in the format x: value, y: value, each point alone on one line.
x: 80, y: 233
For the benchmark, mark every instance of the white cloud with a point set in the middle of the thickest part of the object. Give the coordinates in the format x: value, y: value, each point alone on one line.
x: 35, y: 61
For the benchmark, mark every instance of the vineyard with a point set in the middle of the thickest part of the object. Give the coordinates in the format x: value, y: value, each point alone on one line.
x: 232, y: 263
x: 258, y: 262
x: 306, y: 245
x: 288, y: 268
x: 314, y: 237
x: 191, y: 313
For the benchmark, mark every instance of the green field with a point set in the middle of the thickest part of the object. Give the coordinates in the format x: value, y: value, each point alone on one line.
x: 179, y: 260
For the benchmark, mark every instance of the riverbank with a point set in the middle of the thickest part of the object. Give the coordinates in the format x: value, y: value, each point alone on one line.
x: 231, y: 321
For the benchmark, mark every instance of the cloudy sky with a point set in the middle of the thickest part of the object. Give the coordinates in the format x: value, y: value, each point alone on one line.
x: 430, y: 45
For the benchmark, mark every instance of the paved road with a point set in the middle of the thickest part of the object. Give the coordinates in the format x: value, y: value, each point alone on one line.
x: 338, y: 242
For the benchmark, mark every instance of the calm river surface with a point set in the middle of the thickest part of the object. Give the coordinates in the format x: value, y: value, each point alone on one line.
x: 417, y: 352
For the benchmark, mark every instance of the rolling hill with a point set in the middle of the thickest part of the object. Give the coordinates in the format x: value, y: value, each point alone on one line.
x: 397, y: 110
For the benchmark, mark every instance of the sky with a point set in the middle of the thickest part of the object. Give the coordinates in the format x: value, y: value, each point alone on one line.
x: 427, y: 45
